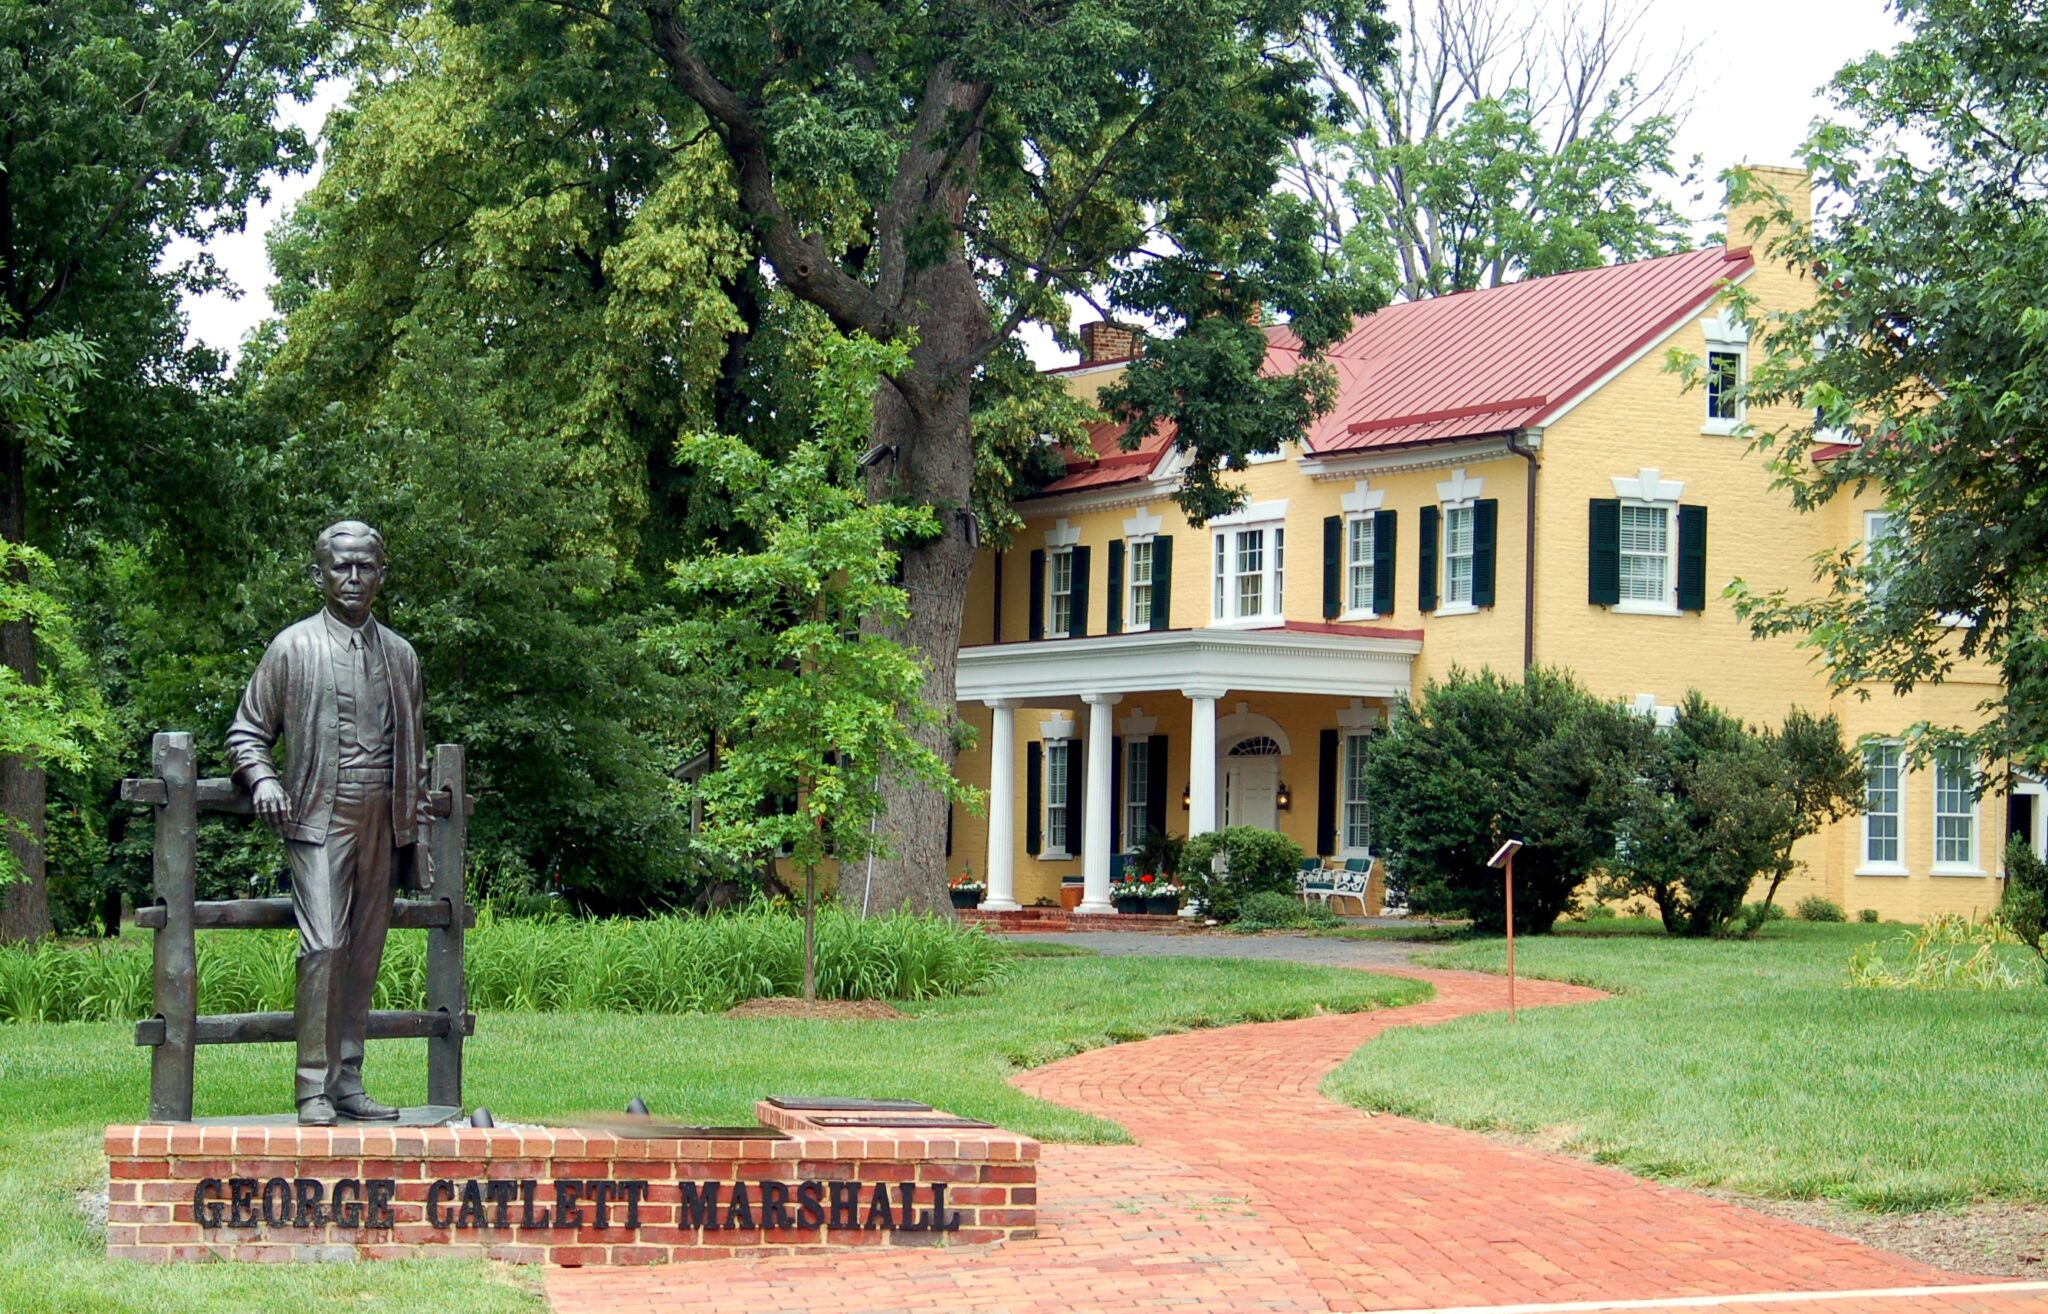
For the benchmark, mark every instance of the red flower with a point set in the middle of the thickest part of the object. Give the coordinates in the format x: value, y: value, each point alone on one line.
x: 1147, y: 878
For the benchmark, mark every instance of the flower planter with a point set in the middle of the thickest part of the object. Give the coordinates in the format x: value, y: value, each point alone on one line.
x: 1163, y: 905
x: 1071, y: 894
x: 966, y: 898
x: 1130, y: 905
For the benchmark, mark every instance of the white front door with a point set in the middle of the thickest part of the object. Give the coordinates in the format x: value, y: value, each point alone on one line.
x: 1250, y: 785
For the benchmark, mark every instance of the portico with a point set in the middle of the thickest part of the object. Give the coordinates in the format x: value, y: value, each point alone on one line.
x: 1118, y: 691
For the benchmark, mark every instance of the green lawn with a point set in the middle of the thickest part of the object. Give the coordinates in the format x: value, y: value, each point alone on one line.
x: 1743, y: 1065
x: 61, y: 1083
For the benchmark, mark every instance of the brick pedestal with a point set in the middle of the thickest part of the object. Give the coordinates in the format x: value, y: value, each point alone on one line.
x: 810, y: 1182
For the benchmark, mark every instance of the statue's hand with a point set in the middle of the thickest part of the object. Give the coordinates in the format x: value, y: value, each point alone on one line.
x: 273, y: 807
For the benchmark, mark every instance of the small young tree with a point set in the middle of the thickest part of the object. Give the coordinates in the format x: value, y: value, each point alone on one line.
x: 822, y: 708
x: 1482, y: 758
x: 1718, y: 805
x: 2024, y: 909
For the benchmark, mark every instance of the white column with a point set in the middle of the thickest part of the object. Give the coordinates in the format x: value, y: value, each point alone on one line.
x: 1095, y: 807
x: 1002, y: 807
x: 1202, y: 760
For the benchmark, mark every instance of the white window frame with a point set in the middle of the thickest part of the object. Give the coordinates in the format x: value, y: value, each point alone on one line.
x: 1348, y: 742
x: 1894, y: 866
x: 1136, y: 799
x: 1877, y: 529
x: 1358, y: 567
x: 1728, y: 336
x: 1132, y: 583
x: 1461, y: 492
x: 1225, y: 610
x: 1649, y: 488
x: 1970, y: 864
x: 1055, y: 627
x: 1057, y: 751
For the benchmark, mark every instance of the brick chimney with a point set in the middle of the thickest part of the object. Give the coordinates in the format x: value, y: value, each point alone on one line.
x: 1102, y: 342
x: 1794, y: 184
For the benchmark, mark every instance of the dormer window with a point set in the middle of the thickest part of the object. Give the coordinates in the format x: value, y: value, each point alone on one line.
x: 1727, y: 359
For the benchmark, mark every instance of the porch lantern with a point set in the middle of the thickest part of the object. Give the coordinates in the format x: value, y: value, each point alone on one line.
x: 1283, y: 799
x: 1183, y: 798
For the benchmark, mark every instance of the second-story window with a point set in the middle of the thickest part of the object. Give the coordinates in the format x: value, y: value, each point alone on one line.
x: 1358, y: 564
x: 1646, y: 553
x: 1458, y: 555
x: 1139, y: 570
x: 1724, y: 387
x: 1250, y: 572
x: 1059, y: 591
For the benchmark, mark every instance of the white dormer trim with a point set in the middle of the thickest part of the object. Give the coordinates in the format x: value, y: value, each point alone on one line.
x: 1647, y: 485
x: 1144, y: 525
x: 1724, y: 330
x: 1059, y: 728
x: 1362, y: 499
x: 1357, y: 718
x: 1460, y: 489
x: 1137, y: 725
x: 1253, y: 513
x: 1062, y: 535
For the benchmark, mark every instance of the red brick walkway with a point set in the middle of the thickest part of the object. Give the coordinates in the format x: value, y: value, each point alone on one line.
x: 1249, y: 1190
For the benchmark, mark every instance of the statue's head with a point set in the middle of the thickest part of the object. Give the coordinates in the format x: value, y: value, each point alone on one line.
x: 348, y: 562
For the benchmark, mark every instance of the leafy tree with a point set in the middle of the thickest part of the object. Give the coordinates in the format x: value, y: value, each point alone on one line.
x: 502, y: 302
x: 1926, y: 348
x: 937, y: 176
x: 1821, y: 776
x: 822, y: 704
x: 1500, y: 145
x: 1478, y: 759
x: 53, y: 721
x: 127, y: 126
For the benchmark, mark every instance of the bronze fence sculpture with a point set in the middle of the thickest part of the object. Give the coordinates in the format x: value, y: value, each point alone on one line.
x: 441, y: 910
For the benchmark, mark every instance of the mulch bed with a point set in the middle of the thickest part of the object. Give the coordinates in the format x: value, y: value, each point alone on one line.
x: 1991, y: 1238
x: 827, y: 1010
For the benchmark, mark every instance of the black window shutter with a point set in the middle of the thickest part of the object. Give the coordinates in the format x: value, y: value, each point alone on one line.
x: 1036, y: 630
x: 1326, y: 794
x: 1425, y: 587
x: 1034, y: 798
x: 1692, y: 558
x: 1155, y: 784
x: 1076, y: 839
x: 1162, y: 581
x: 1603, y: 576
x: 1116, y: 795
x: 949, y: 832
x: 1485, y: 534
x: 1333, y: 566
x: 1115, y: 582
x: 1078, y: 629
x: 1383, y: 563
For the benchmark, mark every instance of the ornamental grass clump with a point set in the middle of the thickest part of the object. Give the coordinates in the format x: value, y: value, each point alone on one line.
x: 669, y: 964
x: 1950, y: 952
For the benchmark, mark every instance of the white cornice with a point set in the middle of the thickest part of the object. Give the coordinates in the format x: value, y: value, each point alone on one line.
x: 1249, y: 661
x: 1350, y: 465
x: 1083, y: 500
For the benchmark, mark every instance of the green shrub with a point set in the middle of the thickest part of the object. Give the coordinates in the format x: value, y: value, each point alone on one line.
x: 1868, y: 916
x: 671, y: 964
x: 1269, y: 910
x: 1813, y: 908
x: 2024, y: 909
x: 1752, y: 916
x: 1598, y: 912
x: 1253, y: 860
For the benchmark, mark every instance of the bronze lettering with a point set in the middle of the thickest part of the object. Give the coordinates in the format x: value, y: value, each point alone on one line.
x: 568, y: 1213
x: 307, y: 1211
x: 845, y: 1207
x: 241, y: 1202
x: 206, y: 1205
x: 345, y: 1205
x: 740, y: 1212
x: 600, y: 1197
x: 500, y: 1193
x: 879, y: 1213
x: 633, y: 1193
x: 277, y: 1203
x: 907, y: 1219
x: 471, y: 1213
x: 527, y: 1218
x: 699, y: 1204
x: 774, y: 1204
x: 382, y: 1191
x: 939, y: 1209
x: 441, y: 1191
x: 810, y: 1204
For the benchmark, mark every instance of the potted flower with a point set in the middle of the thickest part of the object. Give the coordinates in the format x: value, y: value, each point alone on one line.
x: 1129, y: 893
x: 965, y: 890
x: 1162, y: 898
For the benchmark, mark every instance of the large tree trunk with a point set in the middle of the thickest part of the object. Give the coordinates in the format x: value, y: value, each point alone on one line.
x: 24, y: 904
x: 934, y: 467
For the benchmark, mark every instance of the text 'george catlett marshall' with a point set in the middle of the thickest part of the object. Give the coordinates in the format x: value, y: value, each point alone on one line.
x: 343, y: 693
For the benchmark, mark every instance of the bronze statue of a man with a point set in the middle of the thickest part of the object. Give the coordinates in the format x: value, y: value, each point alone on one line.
x: 343, y: 692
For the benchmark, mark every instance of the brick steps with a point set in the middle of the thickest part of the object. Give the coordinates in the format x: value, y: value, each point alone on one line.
x: 1033, y: 920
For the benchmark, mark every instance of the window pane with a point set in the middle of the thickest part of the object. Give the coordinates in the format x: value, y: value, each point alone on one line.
x: 1955, y: 811
x: 1645, y: 553
x: 1137, y: 781
x: 1357, y: 817
x: 1061, y: 587
x: 1724, y: 377
x: 1251, y: 581
x: 1222, y: 573
x: 1458, y: 554
x: 1881, y: 803
x: 1140, y: 558
x: 1360, y: 566
x: 1056, y: 796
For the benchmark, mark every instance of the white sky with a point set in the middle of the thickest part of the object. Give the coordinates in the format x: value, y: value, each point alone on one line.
x: 1761, y: 65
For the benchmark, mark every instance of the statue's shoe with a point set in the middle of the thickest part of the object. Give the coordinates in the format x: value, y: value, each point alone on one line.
x: 316, y: 1112
x: 362, y: 1108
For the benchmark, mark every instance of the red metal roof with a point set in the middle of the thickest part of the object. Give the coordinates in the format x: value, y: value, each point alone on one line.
x: 1472, y: 363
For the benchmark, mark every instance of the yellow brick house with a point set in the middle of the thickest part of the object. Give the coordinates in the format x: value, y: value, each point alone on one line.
x: 1510, y: 476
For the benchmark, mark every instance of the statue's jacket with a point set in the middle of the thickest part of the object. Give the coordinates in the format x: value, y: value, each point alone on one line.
x: 292, y: 697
